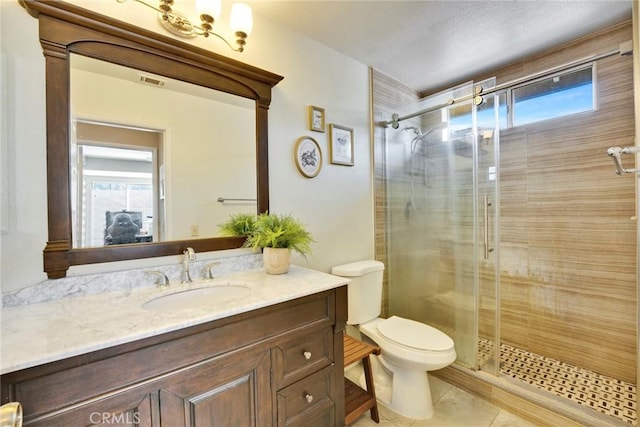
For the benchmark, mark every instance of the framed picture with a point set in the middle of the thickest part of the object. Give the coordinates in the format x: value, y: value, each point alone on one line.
x: 341, y: 145
x: 316, y: 118
x: 307, y: 156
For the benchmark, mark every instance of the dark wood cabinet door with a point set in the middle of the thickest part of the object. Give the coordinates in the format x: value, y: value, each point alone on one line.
x: 132, y: 408
x: 232, y: 390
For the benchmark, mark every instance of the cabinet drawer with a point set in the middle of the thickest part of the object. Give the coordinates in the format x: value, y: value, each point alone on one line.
x: 307, y: 399
x: 320, y: 417
x: 310, y: 351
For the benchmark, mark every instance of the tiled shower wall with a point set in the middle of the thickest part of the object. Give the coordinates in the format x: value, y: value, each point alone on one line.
x: 568, y: 248
x: 568, y: 228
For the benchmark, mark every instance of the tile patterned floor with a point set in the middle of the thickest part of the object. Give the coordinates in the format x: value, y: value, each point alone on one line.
x: 604, y: 394
x: 453, y: 408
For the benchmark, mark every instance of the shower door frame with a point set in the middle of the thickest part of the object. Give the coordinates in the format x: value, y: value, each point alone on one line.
x: 635, y: 7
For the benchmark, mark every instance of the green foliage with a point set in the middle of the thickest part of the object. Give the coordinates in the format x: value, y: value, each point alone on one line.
x: 279, y: 231
x: 238, y: 225
x: 269, y: 231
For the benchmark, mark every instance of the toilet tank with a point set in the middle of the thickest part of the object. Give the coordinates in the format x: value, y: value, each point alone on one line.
x: 364, y: 292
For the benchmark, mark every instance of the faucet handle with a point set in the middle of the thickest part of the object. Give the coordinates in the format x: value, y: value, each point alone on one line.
x: 206, y: 271
x: 190, y: 254
x: 163, y: 282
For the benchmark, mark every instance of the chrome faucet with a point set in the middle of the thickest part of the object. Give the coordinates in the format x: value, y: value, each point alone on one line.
x: 189, y: 255
x: 206, y: 271
x: 163, y: 281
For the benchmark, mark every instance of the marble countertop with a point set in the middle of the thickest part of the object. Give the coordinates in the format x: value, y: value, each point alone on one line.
x: 39, y: 333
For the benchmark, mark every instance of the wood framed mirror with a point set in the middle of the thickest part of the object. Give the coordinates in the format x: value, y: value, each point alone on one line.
x: 66, y: 30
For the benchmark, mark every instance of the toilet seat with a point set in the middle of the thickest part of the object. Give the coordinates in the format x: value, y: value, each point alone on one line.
x: 415, y: 335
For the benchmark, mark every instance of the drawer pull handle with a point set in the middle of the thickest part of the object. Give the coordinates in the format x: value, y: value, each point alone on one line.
x: 309, y: 398
x: 307, y: 355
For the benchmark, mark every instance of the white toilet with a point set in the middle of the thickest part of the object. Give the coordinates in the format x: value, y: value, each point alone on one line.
x: 409, y: 348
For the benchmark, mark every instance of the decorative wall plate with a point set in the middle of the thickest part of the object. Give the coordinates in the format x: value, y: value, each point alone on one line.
x: 307, y: 156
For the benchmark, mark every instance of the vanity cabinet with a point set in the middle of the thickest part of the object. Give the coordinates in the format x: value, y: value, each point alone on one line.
x: 274, y: 366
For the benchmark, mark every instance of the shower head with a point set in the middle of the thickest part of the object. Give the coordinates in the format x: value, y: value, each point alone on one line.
x: 414, y: 129
x: 420, y: 134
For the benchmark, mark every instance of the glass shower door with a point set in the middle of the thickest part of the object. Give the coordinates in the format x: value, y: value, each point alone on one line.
x: 432, y: 219
x: 487, y: 113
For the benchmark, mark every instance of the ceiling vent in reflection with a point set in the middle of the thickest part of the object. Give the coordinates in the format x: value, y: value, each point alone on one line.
x: 151, y: 81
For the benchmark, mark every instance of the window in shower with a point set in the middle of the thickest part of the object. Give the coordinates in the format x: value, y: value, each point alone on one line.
x: 560, y: 95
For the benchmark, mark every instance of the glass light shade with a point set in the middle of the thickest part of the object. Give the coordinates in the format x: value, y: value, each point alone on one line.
x: 241, y: 19
x: 209, y: 7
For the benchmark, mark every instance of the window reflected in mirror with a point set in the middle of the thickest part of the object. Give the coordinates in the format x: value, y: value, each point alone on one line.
x: 117, y: 203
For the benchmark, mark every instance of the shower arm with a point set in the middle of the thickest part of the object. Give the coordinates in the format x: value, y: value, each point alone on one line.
x: 616, y: 152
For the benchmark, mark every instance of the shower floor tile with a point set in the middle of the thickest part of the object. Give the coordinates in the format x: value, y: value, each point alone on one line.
x: 601, y: 393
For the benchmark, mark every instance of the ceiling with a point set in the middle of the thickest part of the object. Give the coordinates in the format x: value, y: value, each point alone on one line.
x: 433, y: 44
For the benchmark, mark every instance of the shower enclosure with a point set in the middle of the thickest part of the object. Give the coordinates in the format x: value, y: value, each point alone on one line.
x: 518, y: 241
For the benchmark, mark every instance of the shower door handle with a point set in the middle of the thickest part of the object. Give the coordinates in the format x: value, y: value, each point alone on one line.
x: 487, y: 248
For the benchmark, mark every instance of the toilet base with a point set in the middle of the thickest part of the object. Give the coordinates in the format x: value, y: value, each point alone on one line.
x: 405, y: 392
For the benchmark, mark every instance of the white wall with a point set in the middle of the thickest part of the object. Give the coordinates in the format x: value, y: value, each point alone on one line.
x: 337, y: 205
x: 23, y: 141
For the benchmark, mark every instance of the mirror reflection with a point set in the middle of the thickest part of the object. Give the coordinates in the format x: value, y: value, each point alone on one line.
x: 155, y: 159
x: 116, y: 190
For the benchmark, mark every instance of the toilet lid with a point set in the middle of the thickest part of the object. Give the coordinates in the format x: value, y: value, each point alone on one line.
x: 414, y: 334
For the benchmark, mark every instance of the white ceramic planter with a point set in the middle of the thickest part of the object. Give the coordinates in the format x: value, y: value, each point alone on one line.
x: 276, y: 260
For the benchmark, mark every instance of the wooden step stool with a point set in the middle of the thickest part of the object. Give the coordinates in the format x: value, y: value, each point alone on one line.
x: 357, y: 400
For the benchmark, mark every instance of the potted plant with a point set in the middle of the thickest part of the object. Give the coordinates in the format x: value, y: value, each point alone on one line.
x: 275, y: 234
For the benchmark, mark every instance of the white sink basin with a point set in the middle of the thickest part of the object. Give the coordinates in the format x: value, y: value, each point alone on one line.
x: 197, y: 297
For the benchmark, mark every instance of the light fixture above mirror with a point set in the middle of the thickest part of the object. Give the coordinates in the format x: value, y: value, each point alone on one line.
x: 177, y: 23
